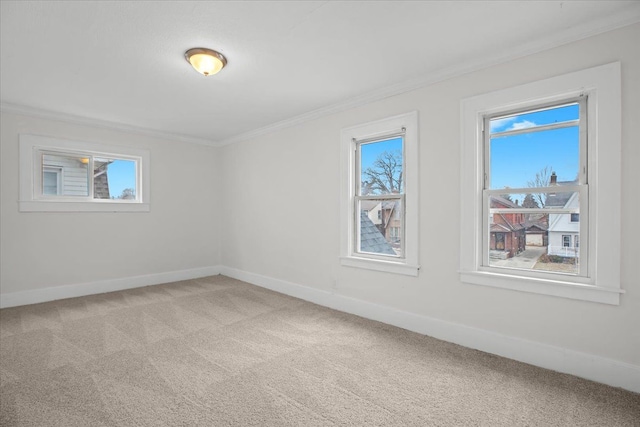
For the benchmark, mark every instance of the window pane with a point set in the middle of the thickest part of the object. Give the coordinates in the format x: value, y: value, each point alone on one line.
x: 114, y: 179
x: 530, y: 159
x: 380, y: 230
x: 537, y: 118
x: 381, y: 167
x: 556, y: 199
x: 74, y: 178
x: 534, y: 241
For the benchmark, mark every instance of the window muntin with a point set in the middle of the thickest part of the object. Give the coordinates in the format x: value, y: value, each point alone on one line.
x: 534, y: 182
x: 380, y: 188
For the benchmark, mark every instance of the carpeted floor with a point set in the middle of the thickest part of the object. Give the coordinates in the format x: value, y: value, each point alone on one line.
x: 220, y: 352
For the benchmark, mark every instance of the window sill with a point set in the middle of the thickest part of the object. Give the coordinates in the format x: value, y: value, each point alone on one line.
x: 558, y: 288
x: 54, y: 206
x: 380, y: 265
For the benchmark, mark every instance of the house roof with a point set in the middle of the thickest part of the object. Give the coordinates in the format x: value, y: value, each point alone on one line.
x: 371, y: 240
x: 560, y: 199
x: 532, y: 225
x: 501, y: 202
x: 507, y: 226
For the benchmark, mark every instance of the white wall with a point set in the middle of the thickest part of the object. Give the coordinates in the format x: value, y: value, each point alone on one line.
x: 294, y: 176
x: 52, y: 250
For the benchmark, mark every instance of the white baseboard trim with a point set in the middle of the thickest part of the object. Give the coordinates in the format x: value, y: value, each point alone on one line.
x: 584, y: 365
x: 53, y: 293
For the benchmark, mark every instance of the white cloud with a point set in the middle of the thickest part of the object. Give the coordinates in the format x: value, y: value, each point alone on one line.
x: 522, y: 125
x: 500, y: 124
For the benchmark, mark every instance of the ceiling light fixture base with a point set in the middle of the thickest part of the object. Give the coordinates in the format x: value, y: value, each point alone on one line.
x: 205, y: 61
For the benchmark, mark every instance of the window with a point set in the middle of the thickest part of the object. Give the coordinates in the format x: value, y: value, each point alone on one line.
x: 535, y: 173
x: 529, y: 160
x: 379, y: 173
x: 59, y: 175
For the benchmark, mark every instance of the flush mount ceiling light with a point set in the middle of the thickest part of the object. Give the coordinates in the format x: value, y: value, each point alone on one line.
x: 205, y: 61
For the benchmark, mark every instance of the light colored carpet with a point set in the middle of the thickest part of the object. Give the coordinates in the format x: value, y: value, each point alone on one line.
x: 220, y: 352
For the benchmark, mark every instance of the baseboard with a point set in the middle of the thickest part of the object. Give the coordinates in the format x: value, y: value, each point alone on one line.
x: 53, y: 293
x: 584, y: 365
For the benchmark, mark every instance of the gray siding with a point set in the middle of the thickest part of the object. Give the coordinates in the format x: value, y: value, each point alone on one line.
x: 75, y: 181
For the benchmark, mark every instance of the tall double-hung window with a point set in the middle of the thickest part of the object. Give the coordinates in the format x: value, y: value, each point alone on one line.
x: 536, y: 179
x: 541, y: 187
x: 379, y: 195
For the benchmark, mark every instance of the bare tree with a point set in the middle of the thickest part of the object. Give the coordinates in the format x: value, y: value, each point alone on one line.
x: 384, y: 176
x: 128, y: 194
x: 542, y: 179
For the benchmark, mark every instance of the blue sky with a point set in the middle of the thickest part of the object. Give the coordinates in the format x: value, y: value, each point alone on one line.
x: 121, y: 174
x: 516, y: 159
x: 369, y: 152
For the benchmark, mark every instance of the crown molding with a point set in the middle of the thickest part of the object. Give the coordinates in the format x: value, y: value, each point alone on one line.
x: 570, y: 35
x: 7, y: 107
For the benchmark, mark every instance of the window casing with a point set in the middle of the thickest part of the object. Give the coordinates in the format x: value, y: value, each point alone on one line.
x: 70, y: 176
x: 596, y: 190
x: 379, y: 214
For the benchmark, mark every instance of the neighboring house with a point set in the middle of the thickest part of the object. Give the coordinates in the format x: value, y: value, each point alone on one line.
x: 564, y: 229
x: 68, y: 176
x: 536, y: 229
x: 507, y: 231
x: 386, y: 217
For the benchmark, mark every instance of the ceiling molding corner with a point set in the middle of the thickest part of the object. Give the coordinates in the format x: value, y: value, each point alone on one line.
x: 12, y: 108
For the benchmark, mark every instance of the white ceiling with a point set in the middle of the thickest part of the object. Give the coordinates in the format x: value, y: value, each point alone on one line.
x: 122, y: 63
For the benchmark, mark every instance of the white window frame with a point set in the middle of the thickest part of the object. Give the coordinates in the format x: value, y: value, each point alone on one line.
x: 601, y: 283
x: 32, y: 199
x: 408, y: 263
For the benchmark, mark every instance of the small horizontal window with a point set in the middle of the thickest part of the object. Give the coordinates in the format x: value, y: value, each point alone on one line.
x: 59, y: 175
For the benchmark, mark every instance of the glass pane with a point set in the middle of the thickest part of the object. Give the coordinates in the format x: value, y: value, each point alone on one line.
x: 534, y: 241
x: 381, y: 167
x: 380, y: 227
x: 74, y: 175
x: 114, y: 179
x: 531, y: 159
x: 537, y: 118
x: 556, y: 199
